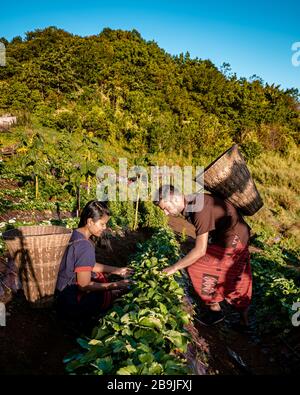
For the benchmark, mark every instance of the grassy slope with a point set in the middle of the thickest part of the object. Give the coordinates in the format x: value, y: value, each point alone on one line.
x: 278, y: 180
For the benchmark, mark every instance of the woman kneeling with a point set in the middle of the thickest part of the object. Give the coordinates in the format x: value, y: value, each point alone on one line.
x: 83, y: 291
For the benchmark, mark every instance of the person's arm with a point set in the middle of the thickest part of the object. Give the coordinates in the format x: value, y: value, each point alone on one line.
x: 85, y: 283
x: 120, y: 271
x: 196, y: 253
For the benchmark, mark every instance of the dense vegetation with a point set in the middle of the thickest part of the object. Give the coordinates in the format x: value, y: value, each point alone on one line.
x: 83, y: 102
x: 118, y: 86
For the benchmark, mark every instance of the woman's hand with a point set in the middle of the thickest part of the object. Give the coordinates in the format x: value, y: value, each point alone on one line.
x: 170, y: 270
x: 122, y: 284
x: 124, y: 272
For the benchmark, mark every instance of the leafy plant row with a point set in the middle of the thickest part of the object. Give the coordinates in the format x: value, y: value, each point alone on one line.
x: 144, y: 333
x: 276, y: 289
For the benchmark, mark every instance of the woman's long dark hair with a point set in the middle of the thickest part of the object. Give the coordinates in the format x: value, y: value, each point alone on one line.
x: 95, y: 210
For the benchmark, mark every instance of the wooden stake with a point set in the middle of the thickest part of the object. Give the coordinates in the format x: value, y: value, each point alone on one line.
x: 36, y: 186
x: 137, y: 206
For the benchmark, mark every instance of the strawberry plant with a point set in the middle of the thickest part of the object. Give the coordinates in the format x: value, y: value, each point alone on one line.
x: 276, y: 288
x: 144, y: 333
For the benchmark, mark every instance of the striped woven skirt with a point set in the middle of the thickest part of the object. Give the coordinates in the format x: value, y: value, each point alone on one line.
x: 224, y: 274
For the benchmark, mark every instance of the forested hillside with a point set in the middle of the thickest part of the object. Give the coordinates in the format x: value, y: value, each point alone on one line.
x: 118, y: 86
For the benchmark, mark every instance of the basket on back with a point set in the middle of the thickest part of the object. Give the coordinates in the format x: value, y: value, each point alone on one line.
x: 37, y: 252
x: 228, y: 176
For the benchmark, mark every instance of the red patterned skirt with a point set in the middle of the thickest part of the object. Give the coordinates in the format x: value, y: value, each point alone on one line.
x: 224, y: 273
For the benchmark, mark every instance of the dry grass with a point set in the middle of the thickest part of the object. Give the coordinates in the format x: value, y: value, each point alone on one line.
x: 278, y: 180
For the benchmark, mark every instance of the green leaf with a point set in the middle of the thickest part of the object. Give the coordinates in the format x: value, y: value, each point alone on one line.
x: 151, y: 293
x: 148, y: 335
x: 105, y: 364
x: 163, y: 308
x: 101, y: 333
x: 148, y: 263
x: 175, y: 367
x: 155, y: 368
x: 83, y: 343
x: 74, y: 355
x: 151, y: 322
x: 94, y: 353
x: 185, y: 317
x: 118, y: 346
x: 176, y: 338
x: 116, y: 326
x: 152, y: 283
x: 130, y: 348
x: 127, y: 370
x: 143, y: 312
x: 127, y: 331
x: 146, y: 358
x: 95, y: 342
x: 74, y: 365
x: 125, y: 318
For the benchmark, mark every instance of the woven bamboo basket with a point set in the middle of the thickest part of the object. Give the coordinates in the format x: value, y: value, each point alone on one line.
x: 37, y: 252
x: 229, y: 177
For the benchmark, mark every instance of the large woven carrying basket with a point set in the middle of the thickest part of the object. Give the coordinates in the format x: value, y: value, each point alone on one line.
x: 229, y: 177
x: 37, y: 252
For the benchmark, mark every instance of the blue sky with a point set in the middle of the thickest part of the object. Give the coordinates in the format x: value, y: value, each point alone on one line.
x: 255, y: 37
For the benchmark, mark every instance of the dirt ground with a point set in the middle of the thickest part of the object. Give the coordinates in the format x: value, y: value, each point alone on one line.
x: 240, y: 353
x: 34, y: 341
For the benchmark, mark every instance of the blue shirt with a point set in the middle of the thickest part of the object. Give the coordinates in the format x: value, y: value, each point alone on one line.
x: 79, y: 256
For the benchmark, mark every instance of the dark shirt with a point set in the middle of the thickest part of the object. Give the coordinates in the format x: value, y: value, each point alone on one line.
x: 220, y: 218
x: 79, y: 256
